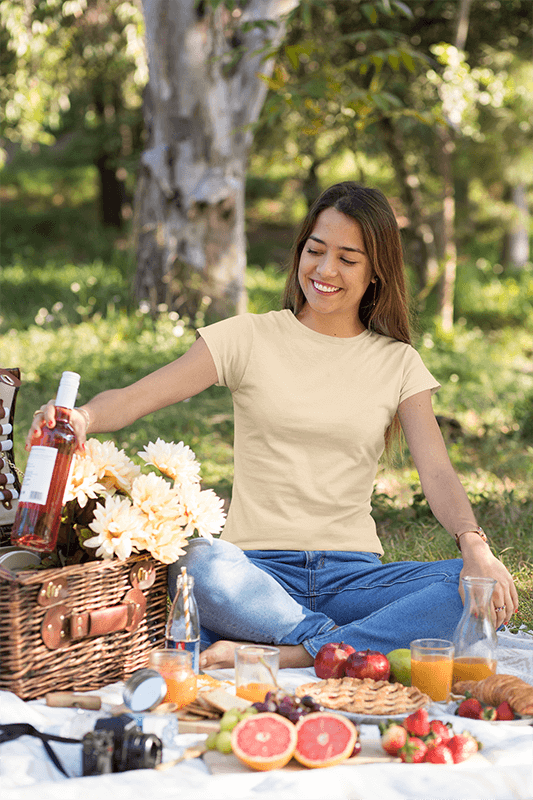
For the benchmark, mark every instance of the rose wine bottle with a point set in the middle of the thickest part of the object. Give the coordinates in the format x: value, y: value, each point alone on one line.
x: 38, y: 514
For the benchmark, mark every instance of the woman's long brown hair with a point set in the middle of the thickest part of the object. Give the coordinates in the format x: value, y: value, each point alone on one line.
x: 384, y: 307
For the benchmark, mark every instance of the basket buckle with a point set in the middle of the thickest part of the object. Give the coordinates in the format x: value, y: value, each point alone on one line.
x: 60, y: 627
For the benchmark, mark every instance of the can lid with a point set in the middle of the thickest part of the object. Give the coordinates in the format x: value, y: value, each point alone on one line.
x: 144, y: 690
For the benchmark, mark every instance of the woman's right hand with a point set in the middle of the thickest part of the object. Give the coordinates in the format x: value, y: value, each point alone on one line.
x: 46, y: 415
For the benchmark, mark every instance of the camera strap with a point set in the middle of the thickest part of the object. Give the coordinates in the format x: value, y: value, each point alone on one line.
x: 13, y: 731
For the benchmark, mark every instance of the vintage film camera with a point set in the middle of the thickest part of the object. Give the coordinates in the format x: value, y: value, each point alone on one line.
x: 117, y: 744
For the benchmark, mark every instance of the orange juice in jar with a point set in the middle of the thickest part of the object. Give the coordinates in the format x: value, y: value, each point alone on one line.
x: 175, y: 666
x: 466, y: 668
x: 432, y: 666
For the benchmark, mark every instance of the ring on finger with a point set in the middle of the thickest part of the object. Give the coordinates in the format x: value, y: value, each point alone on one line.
x: 499, y: 608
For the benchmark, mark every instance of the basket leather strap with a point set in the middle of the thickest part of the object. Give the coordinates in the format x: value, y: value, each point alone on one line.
x: 16, y: 729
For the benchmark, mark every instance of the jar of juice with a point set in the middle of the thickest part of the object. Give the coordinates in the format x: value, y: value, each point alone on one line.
x: 475, y: 637
x: 175, y: 666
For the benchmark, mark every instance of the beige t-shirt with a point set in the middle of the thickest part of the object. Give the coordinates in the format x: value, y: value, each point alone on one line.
x: 310, y: 416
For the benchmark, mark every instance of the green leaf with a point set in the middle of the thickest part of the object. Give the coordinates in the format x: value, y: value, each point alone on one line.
x: 370, y: 12
x: 407, y: 60
x: 404, y: 8
x: 394, y: 61
x: 293, y: 54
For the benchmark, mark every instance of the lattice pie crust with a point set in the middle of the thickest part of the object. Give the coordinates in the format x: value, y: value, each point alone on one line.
x: 365, y: 696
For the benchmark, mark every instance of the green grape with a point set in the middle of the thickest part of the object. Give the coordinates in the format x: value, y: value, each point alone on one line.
x: 211, y: 741
x: 249, y: 711
x: 229, y: 720
x: 224, y: 742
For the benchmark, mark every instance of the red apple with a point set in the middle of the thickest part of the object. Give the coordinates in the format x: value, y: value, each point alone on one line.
x: 368, y: 664
x: 330, y: 659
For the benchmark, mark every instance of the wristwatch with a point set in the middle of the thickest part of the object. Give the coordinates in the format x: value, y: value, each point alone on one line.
x: 480, y: 532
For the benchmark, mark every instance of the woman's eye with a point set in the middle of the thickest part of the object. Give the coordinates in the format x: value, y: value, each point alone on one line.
x: 313, y: 252
x: 345, y: 261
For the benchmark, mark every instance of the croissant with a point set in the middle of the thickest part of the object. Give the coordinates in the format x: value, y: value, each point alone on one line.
x: 498, y: 689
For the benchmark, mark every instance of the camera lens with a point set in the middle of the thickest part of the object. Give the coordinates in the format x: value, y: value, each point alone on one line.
x: 142, y: 751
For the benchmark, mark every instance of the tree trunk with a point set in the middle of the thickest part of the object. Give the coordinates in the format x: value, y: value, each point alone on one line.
x: 203, y: 95
x: 425, y: 261
x: 112, y: 193
x: 446, y: 145
x: 516, y: 245
x: 449, y: 256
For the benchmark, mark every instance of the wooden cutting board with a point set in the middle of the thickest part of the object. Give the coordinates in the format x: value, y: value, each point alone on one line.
x: 218, y: 763
x: 371, y: 753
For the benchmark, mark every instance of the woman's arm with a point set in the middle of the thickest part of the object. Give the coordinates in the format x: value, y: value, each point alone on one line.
x: 116, y: 408
x: 448, y: 500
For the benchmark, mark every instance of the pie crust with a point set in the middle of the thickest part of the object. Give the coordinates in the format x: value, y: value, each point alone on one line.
x: 365, y: 696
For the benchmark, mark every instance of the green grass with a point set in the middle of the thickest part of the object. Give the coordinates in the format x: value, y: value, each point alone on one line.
x: 66, y: 304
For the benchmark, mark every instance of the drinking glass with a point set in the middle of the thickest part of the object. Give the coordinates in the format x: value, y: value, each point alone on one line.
x: 256, y: 669
x: 432, y: 667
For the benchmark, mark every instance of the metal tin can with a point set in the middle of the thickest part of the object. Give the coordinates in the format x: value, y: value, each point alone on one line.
x: 144, y: 690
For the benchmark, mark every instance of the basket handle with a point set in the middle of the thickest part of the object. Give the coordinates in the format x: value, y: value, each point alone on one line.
x: 60, y: 627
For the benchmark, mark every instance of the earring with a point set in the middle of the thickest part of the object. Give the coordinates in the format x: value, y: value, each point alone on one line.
x: 375, y: 292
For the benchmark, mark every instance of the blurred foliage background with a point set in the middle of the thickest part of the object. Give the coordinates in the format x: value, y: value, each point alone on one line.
x: 72, y: 135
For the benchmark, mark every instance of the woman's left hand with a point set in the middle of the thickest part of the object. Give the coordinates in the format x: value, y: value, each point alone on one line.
x: 480, y: 562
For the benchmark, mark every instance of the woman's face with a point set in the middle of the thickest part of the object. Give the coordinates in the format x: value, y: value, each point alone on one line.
x: 334, y: 273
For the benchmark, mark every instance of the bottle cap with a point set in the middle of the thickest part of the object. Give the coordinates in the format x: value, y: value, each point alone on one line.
x: 68, y: 390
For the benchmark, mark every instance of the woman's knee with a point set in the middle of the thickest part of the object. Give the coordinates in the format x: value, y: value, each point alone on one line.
x: 210, y: 564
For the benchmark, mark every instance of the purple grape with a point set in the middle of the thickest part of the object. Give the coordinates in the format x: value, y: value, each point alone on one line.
x: 286, y: 705
x: 271, y: 705
x: 356, y: 749
x: 260, y: 706
x: 295, y: 715
x: 308, y: 701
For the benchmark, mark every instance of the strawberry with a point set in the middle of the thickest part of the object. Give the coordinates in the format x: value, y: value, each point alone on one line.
x: 413, y: 751
x: 489, y: 713
x: 440, y: 731
x: 439, y: 754
x: 469, y: 708
x: 462, y: 746
x: 417, y: 724
x: 393, y: 738
x: 504, y: 711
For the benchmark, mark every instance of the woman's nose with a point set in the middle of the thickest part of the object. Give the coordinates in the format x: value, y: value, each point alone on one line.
x: 327, y: 266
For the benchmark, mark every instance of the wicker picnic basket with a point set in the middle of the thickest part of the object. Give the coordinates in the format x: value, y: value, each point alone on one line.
x: 80, y: 627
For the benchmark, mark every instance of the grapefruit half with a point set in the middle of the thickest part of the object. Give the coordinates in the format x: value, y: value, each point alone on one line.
x: 264, y: 741
x: 324, y: 739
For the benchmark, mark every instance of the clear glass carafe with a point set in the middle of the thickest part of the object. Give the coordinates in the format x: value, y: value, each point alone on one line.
x: 475, y: 638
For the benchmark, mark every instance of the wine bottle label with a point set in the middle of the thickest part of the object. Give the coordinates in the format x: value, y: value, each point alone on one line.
x: 38, y: 475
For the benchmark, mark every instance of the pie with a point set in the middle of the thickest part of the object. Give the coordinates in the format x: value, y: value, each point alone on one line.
x: 365, y: 696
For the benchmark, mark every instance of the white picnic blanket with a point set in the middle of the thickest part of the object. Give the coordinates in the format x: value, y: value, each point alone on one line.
x: 505, y: 771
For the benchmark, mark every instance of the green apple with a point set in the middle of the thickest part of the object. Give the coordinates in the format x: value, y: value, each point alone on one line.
x: 400, y: 666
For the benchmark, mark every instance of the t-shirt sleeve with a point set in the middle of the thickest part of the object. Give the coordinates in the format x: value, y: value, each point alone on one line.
x: 230, y: 344
x: 416, y: 376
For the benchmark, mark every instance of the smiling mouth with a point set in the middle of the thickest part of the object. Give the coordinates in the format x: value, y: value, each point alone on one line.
x: 324, y: 288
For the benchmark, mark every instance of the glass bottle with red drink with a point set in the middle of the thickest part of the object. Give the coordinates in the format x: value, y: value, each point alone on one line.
x: 38, y: 516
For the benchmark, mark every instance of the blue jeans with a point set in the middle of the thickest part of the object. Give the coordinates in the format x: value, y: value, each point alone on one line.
x: 298, y: 597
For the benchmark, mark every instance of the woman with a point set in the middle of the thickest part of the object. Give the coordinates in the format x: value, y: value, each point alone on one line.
x: 319, y: 389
